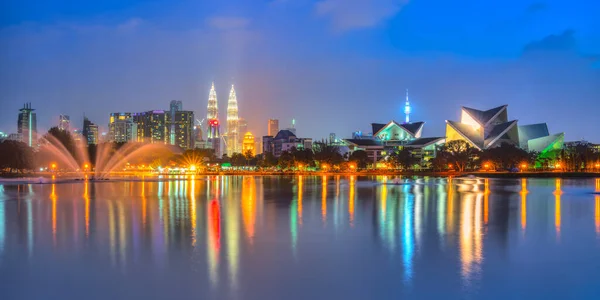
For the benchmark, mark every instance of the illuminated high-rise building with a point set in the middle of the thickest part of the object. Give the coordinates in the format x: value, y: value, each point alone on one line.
x: 64, y: 122
x: 242, y: 129
x: 122, y: 128
x: 27, y: 125
x: 212, y: 119
x: 151, y: 126
x: 180, y: 126
x: 407, y: 108
x: 90, y: 131
x: 273, y: 128
x: 233, y: 139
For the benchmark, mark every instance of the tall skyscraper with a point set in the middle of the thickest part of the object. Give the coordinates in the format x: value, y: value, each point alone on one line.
x: 242, y: 129
x: 407, y: 108
x: 174, y: 107
x: 122, y: 128
x: 64, y: 122
x: 212, y: 119
x: 152, y: 126
x: 292, y: 128
x: 90, y: 131
x: 181, y: 126
x: 27, y: 125
x: 233, y: 139
x: 273, y: 128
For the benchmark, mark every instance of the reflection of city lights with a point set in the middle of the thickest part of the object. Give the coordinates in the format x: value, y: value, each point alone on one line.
x: 249, y: 206
x: 351, y: 200
x: 407, y: 237
x: 214, y: 240
x: 86, y: 197
x: 324, y: 199
x: 557, y: 217
x: 597, y: 215
x: 53, y: 198
x: 523, y: 203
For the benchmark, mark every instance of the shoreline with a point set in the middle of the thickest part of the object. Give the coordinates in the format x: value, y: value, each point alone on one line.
x: 356, y: 173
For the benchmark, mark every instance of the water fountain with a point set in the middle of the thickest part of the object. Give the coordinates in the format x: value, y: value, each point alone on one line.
x: 108, y: 159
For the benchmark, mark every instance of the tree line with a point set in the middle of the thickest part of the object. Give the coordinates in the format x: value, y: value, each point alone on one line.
x: 18, y: 157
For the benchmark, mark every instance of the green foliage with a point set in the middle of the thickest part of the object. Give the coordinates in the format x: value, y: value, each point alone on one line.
x: 403, y: 159
x: 360, y: 157
x: 15, y: 156
x: 327, y: 154
x: 506, y: 156
x: 460, y: 154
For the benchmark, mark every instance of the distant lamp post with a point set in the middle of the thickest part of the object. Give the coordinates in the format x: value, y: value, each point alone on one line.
x: 86, y: 167
x: 324, y: 167
x: 53, y: 167
x: 557, y: 165
x: 352, y: 167
x: 486, y: 166
x: 523, y: 167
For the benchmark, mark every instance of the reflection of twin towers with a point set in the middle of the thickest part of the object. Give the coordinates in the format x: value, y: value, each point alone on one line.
x: 232, y: 137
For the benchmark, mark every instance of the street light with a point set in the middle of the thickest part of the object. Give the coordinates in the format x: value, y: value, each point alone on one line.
x: 53, y: 166
x: 523, y: 166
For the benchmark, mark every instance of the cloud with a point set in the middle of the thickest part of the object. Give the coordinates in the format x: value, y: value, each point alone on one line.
x: 355, y: 14
x: 536, y: 7
x: 129, y: 25
x: 228, y: 23
x: 564, y: 42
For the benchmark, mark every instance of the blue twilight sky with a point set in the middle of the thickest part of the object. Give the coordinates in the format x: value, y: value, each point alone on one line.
x: 333, y: 65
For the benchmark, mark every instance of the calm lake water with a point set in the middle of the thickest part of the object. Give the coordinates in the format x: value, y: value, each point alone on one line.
x: 302, y: 237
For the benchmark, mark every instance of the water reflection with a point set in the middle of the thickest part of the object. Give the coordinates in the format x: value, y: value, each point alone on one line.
x: 557, y: 217
x: 214, y: 227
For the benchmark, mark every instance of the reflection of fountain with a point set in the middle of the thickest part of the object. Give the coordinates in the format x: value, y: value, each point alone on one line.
x: 108, y: 159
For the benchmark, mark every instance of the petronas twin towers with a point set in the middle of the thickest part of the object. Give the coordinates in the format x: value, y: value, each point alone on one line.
x: 232, y: 136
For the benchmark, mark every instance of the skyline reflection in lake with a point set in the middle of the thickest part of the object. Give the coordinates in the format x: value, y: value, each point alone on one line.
x: 299, y: 237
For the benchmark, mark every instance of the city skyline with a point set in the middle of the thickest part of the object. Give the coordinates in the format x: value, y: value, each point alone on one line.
x: 97, y: 58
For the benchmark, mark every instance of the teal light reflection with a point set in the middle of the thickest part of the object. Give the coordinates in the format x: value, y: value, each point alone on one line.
x: 407, y: 236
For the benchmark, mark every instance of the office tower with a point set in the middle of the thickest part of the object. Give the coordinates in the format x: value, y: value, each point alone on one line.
x: 181, y: 126
x: 176, y: 105
x: 233, y: 139
x: 27, y: 125
x: 273, y: 128
x: 90, y: 131
x: 332, y: 138
x: 407, y: 108
x: 64, y: 122
x: 242, y: 129
x: 122, y: 128
x: 152, y: 126
x: 248, y: 145
x: 292, y: 128
x: 212, y: 117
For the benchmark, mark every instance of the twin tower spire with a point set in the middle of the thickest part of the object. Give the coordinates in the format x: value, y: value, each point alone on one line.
x: 232, y: 140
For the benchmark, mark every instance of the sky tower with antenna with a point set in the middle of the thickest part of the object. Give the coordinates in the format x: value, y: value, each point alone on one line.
x: 407, y: 109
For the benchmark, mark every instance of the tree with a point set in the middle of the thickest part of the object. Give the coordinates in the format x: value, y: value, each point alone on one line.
x: 327, y: 154
x: 286, y: 160
x: 15, y: 156
x: 238, y: 159
x: 403, y: 159
x: 57, y: 135
x: 268, y: 160
x: 460, y: 154
x: 506, y: 156
x: 360, y: 157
